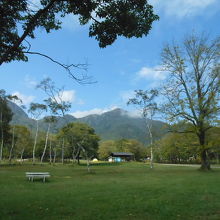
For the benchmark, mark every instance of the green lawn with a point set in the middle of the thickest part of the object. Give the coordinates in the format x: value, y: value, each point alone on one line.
x: 124, y: 191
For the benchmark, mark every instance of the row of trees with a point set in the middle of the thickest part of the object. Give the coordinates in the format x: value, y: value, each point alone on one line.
x: 73, y: 141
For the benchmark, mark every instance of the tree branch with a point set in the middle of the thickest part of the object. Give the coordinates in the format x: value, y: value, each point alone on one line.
x: 85, y: 79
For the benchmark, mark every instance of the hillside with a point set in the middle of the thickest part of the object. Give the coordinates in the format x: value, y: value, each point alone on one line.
x: 112, y: 125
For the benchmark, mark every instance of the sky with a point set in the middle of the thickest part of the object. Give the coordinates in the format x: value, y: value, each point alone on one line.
x: 119, y: 69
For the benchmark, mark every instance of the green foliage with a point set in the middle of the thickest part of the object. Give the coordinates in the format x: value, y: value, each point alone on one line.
x: 79, y: 136
x: 192, y: 91
x: 107, y: 19
x: 177, y: 148
x: 37, y: 109
x: 123, y: 145
x: 23, y: 141
x: 5, y: 117
x: 106, y: 148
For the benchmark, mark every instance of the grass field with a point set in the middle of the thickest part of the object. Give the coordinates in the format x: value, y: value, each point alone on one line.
x: 123, y: 191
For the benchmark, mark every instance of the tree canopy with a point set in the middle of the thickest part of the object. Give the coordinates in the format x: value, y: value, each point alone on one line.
x: 193, y: 90
x: 79, y: 137
x: 107, y: 19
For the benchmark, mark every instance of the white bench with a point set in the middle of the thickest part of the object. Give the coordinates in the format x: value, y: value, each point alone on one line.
x: 38, y: 175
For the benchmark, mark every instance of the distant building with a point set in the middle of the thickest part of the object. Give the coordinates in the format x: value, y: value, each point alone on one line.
x: 120, y: 156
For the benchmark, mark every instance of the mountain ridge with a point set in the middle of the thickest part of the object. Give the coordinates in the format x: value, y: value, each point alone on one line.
x: 111, y: 125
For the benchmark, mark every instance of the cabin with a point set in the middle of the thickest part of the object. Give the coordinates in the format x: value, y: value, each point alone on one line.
x: 121, y: 156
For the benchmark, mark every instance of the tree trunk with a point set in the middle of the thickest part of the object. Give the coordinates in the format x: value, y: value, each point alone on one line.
x: 55, y: 154
x: 35, y: 143
x: 12, y: 144
x: 151, y: 148
x: 2, y: 137
x: 22, y: 152
x: 50, y: 153
x: 63, y: 151
x: 205, y: 164
x: 45, y: 146
x: 74, y: 156
x: 78, y: 161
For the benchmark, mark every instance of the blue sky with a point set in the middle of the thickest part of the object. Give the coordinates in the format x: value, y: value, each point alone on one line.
x: 119, y: 69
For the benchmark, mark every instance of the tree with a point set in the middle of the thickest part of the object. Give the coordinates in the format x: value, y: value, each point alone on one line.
x: 49, y: 120
x: 106, y: 148
x: 56, y: 104
x: 177, y: 148
x: 55, y: 100
x: 36, y: 111
x: 131, y: 146
x: 5, y: 118
x: 80, y: 137
x: 107, y: 19
x: 192, y: 90
x: 144, y: 100
x: 23, y: 141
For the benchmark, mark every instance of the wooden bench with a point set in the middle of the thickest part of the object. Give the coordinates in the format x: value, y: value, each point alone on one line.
x: 38, y: 175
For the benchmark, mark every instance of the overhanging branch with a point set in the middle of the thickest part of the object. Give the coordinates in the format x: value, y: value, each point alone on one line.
x: 84, y: 79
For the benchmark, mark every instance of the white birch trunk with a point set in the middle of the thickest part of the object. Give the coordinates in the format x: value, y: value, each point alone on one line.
x: 2, y: 137
x: 45, y: 146
x: 50, y: 153
x: 12, y: 144
x: 63, y: 151
x: 55, y: 155
x: 35, y: 143
x: 149, y: 127
x: 22, y: 152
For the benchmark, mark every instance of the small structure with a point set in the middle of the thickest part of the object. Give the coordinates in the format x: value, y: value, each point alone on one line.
x: 37, y: 175
x: 121, y: 156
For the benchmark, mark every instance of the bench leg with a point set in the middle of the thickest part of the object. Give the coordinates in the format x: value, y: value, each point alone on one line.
x: 44, y: 179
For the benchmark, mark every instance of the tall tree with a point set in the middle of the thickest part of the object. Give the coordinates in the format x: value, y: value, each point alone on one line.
x: 107, y: 19
x: 5, y: 118
x: 36, y: 110
x: 145, y: 101
x: 56, y: 104
x: 193, y: 87
x: 49, y: 120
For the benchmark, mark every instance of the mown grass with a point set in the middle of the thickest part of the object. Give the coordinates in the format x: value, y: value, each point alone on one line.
x: 123, y: 191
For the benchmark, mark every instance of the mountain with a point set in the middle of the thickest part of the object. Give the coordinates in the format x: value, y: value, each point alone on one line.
x: 112, y: 125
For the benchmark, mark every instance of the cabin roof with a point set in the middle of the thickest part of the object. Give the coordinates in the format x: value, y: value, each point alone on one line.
x: 121, y: 154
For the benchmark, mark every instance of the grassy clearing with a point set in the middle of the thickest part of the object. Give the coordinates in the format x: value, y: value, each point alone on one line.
x: 123, y: 191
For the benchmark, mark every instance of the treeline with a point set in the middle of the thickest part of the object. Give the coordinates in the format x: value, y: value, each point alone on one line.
x: 185, y: 148
x: 72, y: 142
x: 123, y: 145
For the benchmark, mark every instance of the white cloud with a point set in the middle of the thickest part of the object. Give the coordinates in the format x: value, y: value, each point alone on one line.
x: 80, y: 102
x: 96, y: 111
x: 24, y: 98
x: 133, y: 114
x: 29, y: 82
x: 182, y: 8
x: 67, y: 96
x: 151, y: 73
